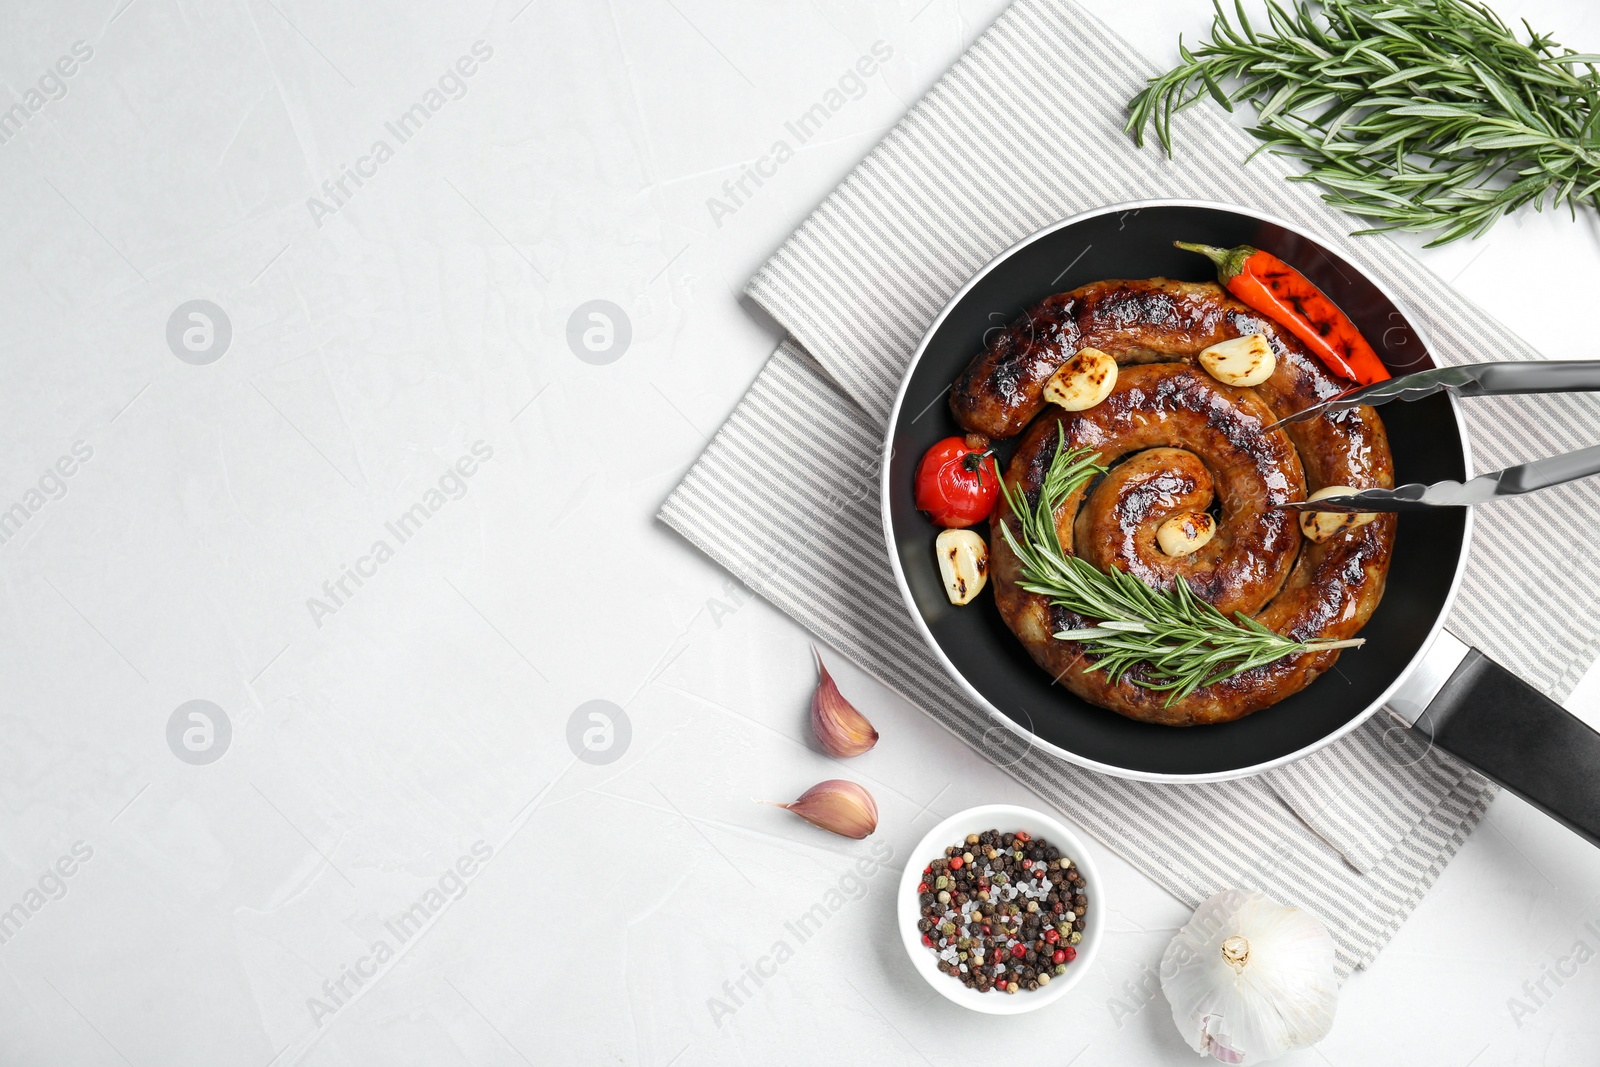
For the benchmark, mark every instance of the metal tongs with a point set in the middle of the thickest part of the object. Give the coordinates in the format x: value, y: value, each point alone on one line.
x: 1475, y: 379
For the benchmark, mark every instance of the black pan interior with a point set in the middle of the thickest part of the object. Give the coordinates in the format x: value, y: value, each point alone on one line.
x: 1425, y: 436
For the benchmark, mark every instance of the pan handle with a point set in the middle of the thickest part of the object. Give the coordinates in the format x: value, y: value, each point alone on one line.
x: 1506, y: 730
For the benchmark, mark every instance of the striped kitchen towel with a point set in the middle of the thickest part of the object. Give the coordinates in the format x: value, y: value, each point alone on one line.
x: 1018, y: 135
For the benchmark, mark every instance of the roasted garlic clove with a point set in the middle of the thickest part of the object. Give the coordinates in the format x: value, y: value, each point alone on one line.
x: 1185, y: 534
x: 840, y: 728
x: 963, y: 563
x: 1322, y: 525
x: 1242, y: 361
x: 1083, y: 381
x: 839, y: 806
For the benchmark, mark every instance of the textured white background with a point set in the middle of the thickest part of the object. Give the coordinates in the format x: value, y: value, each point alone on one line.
x: 373, y: 747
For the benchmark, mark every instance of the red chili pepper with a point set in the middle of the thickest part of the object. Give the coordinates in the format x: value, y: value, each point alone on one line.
x: 1283, y: 294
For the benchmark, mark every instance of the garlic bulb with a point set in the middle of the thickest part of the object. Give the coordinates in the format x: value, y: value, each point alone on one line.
x: 1250, y: 979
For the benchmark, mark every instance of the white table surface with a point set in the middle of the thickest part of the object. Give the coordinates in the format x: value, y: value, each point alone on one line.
x: 378, y: 740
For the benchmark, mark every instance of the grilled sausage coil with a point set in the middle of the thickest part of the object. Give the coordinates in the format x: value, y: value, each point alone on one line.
x: 1179, y: 441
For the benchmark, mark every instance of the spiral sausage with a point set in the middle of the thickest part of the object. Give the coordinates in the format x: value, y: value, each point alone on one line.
x: 1177, y: 441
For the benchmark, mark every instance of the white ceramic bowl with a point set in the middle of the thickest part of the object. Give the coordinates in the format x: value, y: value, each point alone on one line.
x: 1006, y: 818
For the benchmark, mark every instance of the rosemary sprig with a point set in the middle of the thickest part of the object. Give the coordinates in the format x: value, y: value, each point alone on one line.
x: 1418, y: 114
x: 1183, y: 642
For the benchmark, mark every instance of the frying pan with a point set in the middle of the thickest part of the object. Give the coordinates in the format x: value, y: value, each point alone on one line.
x: 1451, y: 696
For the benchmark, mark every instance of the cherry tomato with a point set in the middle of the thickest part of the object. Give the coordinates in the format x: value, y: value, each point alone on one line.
x: 957, y: 484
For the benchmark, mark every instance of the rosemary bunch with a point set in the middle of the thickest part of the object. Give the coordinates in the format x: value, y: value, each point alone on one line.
x: 1183, y: 642
x: 1418, y: 114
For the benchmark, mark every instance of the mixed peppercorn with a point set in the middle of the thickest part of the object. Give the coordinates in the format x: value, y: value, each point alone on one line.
x: 1002, y: 911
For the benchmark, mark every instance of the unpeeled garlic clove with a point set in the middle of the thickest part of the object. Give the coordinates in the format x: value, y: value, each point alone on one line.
x: 1082, y: 381
x: 1320, y: 526
x: 963, y: 564
x: 840, y: 728
x: 1186, y: 534
x: 1242, y: 361
x: 838, y: 806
